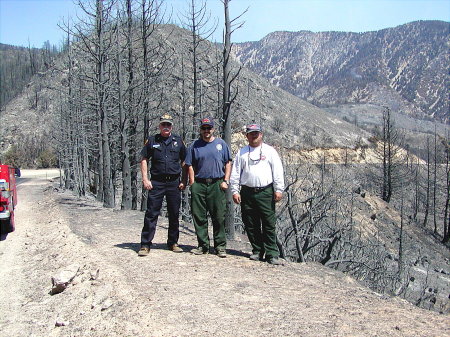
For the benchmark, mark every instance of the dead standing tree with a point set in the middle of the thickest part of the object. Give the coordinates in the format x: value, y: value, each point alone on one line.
x: 88, y: 49
x: 447, y: 189
x: 125, y: 93
x: 72, y: 129
x: 228, y: 77
x: 129, y: 85
x: 198, y: 21
x: 391, y: 156
x: 94, y: 46
x: 387, y: 143
x: 102, y: 44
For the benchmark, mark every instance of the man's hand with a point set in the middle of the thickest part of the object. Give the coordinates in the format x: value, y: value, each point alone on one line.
x: 147, y: 184
x: 277, y: 196
x: 182, y: 186
x: 237, y: 198
x: 223, y: 186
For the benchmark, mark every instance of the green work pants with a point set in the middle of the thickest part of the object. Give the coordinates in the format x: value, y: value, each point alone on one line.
x: 209, y: 198
x: 258, y: 215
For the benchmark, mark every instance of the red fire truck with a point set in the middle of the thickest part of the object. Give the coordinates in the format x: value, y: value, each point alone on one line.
x: 8, y: 199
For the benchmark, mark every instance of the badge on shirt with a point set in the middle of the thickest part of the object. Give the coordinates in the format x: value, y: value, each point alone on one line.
x: 155, y: 146
x: 219, y: 147
x: 175, y: 144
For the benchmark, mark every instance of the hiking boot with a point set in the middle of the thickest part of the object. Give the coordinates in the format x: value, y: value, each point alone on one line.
x: 275, y: 261
x: 175, y: 248
x: 144, y: 251
x: 221, y: 253
x: 256, y: 257
x: 200, y: 251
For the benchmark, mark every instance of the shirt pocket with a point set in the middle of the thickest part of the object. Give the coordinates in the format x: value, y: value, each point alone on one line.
x: 174, y: 153
x: 158, y: 153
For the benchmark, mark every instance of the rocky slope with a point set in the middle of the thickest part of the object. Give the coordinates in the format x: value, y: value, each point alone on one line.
x: 405, y: 67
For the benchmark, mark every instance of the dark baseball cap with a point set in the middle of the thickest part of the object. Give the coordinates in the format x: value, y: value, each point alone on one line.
x: 253, y: 128
x: 207, y: 121
x: 166, y: 118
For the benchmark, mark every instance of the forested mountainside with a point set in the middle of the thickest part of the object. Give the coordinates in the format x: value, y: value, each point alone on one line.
x: 18, y: 65
x: 404, y: 68
x: 37, y: 111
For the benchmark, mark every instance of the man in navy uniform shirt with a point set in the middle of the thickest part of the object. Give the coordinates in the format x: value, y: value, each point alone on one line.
x: 208, y: 161
x: 166, y: 152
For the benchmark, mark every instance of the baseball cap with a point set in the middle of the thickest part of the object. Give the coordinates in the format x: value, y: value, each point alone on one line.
x: 253, y: 128
x: 207, y: 121
x: 166, y: 118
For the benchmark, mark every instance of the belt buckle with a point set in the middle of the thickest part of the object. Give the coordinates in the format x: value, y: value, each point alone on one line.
x: 208, y: 180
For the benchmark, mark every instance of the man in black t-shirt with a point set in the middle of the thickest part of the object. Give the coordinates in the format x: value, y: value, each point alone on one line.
x: 166, y: 153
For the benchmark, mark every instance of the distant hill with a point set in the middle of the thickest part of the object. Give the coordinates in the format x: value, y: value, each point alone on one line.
x: 15, y: 71
x: 18, y: 65
x: 405, y: 68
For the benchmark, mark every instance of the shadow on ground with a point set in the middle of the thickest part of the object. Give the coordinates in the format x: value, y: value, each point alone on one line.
x: 186, y: 248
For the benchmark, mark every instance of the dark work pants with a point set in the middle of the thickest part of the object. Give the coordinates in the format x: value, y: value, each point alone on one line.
x: 154, y: 204
x: 209, y: 198
x: 258, y: 215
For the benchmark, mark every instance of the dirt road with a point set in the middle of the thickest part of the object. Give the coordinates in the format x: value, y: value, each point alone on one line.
x: 115, y: 293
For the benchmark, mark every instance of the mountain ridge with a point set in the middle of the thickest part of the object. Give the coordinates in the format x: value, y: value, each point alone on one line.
x: 402, y: 67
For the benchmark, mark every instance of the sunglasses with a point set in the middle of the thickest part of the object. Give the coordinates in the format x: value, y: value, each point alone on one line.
x: 206, y: 128
x: 167, y: 125
x: 252, y: 159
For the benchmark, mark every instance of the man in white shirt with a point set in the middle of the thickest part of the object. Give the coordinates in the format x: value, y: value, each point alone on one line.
x: 257, y: 183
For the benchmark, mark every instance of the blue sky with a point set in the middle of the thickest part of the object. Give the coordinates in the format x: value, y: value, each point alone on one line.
x: 36, y: 20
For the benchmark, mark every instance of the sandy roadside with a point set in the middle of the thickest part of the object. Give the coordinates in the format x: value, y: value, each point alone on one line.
x: 40, y: 174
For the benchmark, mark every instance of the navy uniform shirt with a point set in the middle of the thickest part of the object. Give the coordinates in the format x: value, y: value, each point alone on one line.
x: 165, y: 154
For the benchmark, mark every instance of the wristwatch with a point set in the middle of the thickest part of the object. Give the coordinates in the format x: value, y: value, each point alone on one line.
x: 227, y: 182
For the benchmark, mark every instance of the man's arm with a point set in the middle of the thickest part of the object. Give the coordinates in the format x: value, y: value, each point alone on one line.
x: 183, y: 152
x: 191, y: 174
x: 144, y: 172
x: 278, y: 176
x: 235, y: 178
x: 224, y: 185
x: 227, y: 171
x: 184, y: 175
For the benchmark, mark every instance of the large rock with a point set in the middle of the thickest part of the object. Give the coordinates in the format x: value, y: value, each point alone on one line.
x: 64, y: 277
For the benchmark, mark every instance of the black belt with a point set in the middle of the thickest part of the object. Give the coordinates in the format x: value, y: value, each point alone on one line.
x: 207, y: 180
x: 166, y: 177
x: 256, y: 189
